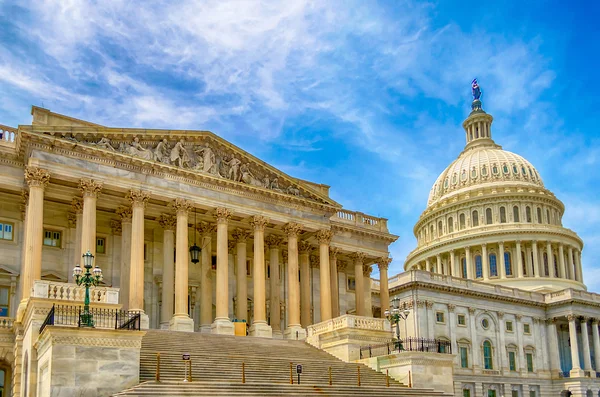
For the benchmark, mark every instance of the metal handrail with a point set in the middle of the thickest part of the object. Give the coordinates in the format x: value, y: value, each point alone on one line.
x: 66, y: 315
x: 407, y: 344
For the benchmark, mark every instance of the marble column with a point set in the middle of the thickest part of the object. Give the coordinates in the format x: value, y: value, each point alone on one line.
x: 474, y: 340
x: 551, y: 269
x: 77, y: 205
x: 384, y: 291
x: 240, y: 237
x: 125, y: 213
x: 324, y: 238
x: 561, y: 262
x: 367, y: 269
x: 485, y: 263
x: 500, y: 261
x: 90, y: 190
x: 427, y: 265
x: 470, y: 273
x: 37, y: 179
x: 293, y: 330
x: 452, y: 323
x: 570, y: 264
x: 168, y: 223
x: 579, y: 271
x: 454, y: 271
x: 273, y: 242
x: 138, y: 199
x: 536, y: 259
x: 519, y: 260
x: 304, y: 247
x: 335, y: 289
x: 359, y: 289
x: 206, y: 284
x: 585, y: 341
x: 576, y: 365
x: 181, y: 320
x: 522, y: 364
x: 438, y: 264
x: 596, y: 340
x: 504, y: 367
x: 222, y: 323
x: 553, y: 347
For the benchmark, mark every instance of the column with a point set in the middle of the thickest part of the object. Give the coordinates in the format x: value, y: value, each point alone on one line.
x: 502, y: 270
x: 570, y: 263
x: 125, y: 213
x: 37, y: 179
x: 585, y: 340
x: 529, y: 261
x: 551, y: 270
x: 273, y: 242
x: 474, y: 340
x: 596, y: 339
x: 427, y: 265
x: 438, y: 263
x: 168, y: 223
x: 536, y: 259
x: 384, y: 292
x: 90, y: 190
x: 77, y: 205
x: 359, y: 283
x: 541, y: 356
x: 293, y: 330
x: 452, y: 321
x: 305, y: 281
x: 553, y: 347
x: 430, y: 315
x: 138, y: 199
x: 335, y: 289
x: 503, y: 356
x: 470, y: 274
x: 561, y: 262
x: 519, y: 327
x: 241, y: 285
x: 485, y: 264
x: 222, y: 323
x: 181, y: 320
x: 454, y: 271
x: 367, y: 284
x: 519, y: 260
x: 206, y: 297
x: 324, y: 238
x: 579, y: 270
x: 576, y: 371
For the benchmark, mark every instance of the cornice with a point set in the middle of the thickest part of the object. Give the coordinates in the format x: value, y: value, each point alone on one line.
x: 387, y: 237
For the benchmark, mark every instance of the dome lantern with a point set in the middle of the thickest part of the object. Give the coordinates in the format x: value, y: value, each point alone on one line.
x: 478, y: 125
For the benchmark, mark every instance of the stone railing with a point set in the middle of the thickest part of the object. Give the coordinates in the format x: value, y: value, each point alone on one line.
x: 361, y: 220
x: 6, y: 323
x: 8, y: 136
x: 72, y: 292
x: 570, y: 294
x: 349, y: 321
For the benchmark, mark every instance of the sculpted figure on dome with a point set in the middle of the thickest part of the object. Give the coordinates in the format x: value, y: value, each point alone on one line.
x: 137, y: 150
x: 162, y: 152
x: 104, y: 143
x: 179, y: 155
x: 476, y: 90
x: 209, y: 163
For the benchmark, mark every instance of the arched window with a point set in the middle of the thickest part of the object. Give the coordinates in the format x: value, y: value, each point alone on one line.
x: 475, y: 218
x: 461, y: 220
x: 431, y: 235
x: 539, y: 215
x: 548, y: 216
x: 440, y: 228
x: 524, y: 263
x: 488, y: 361
x: 516, y: 214
x: 502, y: 215
x: 493, y: 265
x: 528, y: 214
x: 508, y: 263
x: 450, y: 225
x: 555, y: 266
x: 464, y: 267
x: 488, y: 216
x: 546, y: 269
x: 478, y: 267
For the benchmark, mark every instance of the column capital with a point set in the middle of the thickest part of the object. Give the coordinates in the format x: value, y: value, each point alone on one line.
x: 71, y: 220
x: 584, y: 319
x: 258, y: 222
x: 116, y: 226
x: 206, y: 228
x: 124, y: 213
x: 273, y: 241
x: 231, y: 246
x: 222, y: 214
x: 324, y: 236
x: 518, y: 242
x: 167, y: 222
x: 333, y: 252
x: 292, y: 229
x: 77, y: 205
x: 472, y: 310
x: 467, y: 249
x: 572, y: 317
x: 550, y: 321
x: 37, y: 177
x: 367, y: 269
x: 595, y: 321
x: 284, y: 255
x: 500, y: 314
x: 304, y: 246
x: 518, y: 317
x: 341, y: 265
x: 358, y: 256
x: 240, y: 235
x: 314, y: 261
x: 501, y: 243
x: 384, y: 262
x: 90, y: 187
x: 138, y: 198
x: 429, y: 304
x: 451, y: 307
x: 181, y: 205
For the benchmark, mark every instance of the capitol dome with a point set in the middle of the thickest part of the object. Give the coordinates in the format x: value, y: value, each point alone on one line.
x: 490, y: 218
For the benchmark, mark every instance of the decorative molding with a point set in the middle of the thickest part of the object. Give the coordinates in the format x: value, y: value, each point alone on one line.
x: 71, y: 220
x: 77, y: 205
x: 181, y: 205
x: 324, y: 236
x: 451, y: 307
x: 259, y: 222
x: 137, y: 198
x: 333, y: 253
x: 367, y: 269
x: 240, y: 235
x: 384, y: 263
x: 358, y: 257
x: 292, y: 229
x: 37, y: 177
x: 273, y: 241
x: 304, y: 247
x: 314, y: 261
x: 125, y: 213
x: 222, y: 215
x: 167, y: 221
x: 206, y: 229
x: 90, y: 187
x: 116, y: 227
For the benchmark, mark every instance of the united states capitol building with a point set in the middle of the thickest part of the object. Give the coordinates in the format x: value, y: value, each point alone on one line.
x: 195, y: 236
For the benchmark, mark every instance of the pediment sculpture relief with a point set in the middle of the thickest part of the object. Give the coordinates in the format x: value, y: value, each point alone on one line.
x: 201, y: 157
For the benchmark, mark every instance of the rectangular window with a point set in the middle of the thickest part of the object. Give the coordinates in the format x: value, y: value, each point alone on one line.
x: 6, y: 231
x: 439, y: 317
x: 461, y: 319
x: 491, y: 393
x: 101, y: 245
x: 509, y: 326
x: 527, y: 329
x: 532, y: 393
x: 515, y: 393
x: 4, y: 309
x: 512, y: 361
x: 464, y: 357
x: 52, y: 238
x: 351, y: 284
x: 466, y: 393
x: 529, y: 357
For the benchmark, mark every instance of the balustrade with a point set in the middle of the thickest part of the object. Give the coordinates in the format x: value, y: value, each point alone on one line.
x: 72, y: 292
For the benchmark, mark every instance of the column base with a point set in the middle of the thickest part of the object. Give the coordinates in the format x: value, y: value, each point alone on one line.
x: 181, y: 323
x: 577, y: 373
x: 261, y: 330
x: 277, y: 334
x: 222, y: 326
x: 205, y: 329
x: 144, y: 320
x: 164, y: 325
x: 294, y: 332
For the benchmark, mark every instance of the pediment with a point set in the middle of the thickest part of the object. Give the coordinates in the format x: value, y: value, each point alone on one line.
x: 53, y: 276
x: 5, y: 271
x: 200, y: 154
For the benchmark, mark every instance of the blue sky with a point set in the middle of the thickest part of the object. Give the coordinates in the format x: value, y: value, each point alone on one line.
x: 365, y: 96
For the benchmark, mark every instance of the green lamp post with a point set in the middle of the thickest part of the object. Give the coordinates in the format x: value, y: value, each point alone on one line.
x: 394, y: 317
x: 87, y: 279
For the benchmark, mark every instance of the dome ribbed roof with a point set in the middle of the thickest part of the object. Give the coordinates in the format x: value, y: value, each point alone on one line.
x: 482, y: 165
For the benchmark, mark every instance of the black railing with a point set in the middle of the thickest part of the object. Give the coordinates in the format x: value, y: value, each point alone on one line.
x: 564, y: 374
x: 70, y: 316
x: 407, y: 344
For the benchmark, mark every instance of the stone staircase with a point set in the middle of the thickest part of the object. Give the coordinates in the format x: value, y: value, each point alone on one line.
x: 217, y: 369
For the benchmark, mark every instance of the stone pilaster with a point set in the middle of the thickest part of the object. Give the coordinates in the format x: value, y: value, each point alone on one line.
x: 181, y: 320
x: 293, y: 330
x: 553, y: 347
x: 168, y: 223
x: 273, y: 243
x: 324, y: 238
x: 138, y: 199
x: 90, y: 190
x: 222, y: 323
x: 585, y: 341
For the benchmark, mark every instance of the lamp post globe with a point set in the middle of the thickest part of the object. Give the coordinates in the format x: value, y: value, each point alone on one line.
x: 87, y: 280
x: 394, y: 316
